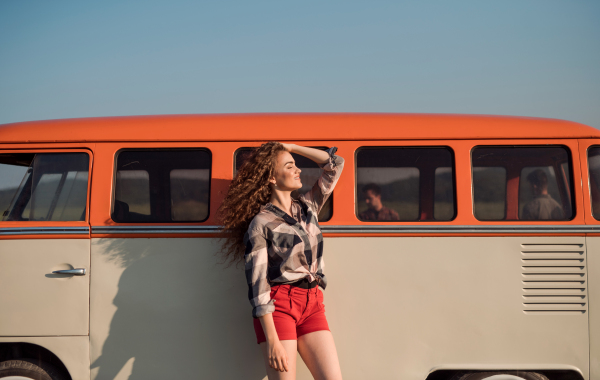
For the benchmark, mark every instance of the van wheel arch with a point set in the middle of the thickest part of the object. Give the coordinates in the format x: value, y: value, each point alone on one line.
x: 34, y: 354
x: 29, y: 368
x: 525, y: 375
x: 446, y: 374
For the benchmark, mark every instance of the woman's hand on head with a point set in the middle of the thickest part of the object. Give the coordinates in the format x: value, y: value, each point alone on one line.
x: 278, y: 359
x: 288, y: 147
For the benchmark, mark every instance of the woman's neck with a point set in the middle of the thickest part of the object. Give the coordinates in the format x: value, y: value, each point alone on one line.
x: 283, y: 200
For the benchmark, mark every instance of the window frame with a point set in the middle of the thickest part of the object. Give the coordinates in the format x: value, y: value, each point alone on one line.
x: 173, y: 148
x: 56, y: 150
x: 593, y: 145
x: 410, y: 146
x: 507, y: 144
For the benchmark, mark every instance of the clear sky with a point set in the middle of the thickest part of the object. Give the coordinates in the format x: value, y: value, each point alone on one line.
x: 64, y: 59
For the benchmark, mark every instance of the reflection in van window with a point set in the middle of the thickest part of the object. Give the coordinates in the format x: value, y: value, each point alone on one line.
x: 158, y: 186
x: 489, y: 191
x: 522, y: 183
x: 401, y: 184
x: 186, y: 196
x: 309, y: 175
x: 594, y: 165
x: 52, y: 187
x: 133, y: 187
x: 443, y: 204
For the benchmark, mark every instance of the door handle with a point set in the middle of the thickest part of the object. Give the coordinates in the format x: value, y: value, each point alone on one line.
x: 75, y: 272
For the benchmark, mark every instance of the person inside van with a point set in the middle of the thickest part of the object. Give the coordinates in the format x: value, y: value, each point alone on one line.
x: 542, y: 206
x: 376, y: 210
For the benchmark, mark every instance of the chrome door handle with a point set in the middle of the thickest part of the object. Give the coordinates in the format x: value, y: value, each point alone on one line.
x: 75, y: 272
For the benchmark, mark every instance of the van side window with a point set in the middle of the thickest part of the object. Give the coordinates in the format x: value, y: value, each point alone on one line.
x: 162, y: 186
x: 309, y: 175
x: 405, y: 184
x: 43, y: 186
x: 594, y: 165
x: 522, y: 183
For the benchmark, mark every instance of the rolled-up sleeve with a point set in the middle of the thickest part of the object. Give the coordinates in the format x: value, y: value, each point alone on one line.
x: 256, y: 264
x: 322, y: 189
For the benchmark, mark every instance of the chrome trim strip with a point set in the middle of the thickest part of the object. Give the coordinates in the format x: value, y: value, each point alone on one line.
x: 5, y: 231
x: 366, y: 229
x: 155, y: 229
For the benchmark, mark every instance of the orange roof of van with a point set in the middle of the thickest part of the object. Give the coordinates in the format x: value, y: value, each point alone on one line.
x: 309, y: 126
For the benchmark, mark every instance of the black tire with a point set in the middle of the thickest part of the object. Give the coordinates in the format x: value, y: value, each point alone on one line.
x: 29, y: 368
x: 484, y: 375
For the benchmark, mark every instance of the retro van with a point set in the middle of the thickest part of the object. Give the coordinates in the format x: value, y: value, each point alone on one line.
x: 456, y: 246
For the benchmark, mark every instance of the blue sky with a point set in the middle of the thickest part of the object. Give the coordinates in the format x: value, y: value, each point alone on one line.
x: 64, y: 59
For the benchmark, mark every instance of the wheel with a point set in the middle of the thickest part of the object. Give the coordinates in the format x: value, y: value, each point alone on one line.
x: 26, y: 369
x: 500, y: 375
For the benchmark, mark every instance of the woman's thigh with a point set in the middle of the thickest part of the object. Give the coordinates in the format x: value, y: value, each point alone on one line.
x: 317, y: 349
x: 291, y: 347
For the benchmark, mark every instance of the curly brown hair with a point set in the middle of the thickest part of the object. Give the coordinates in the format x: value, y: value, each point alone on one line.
x: 248, y: 191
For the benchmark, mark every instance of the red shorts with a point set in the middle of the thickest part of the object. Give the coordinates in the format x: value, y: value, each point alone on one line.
x: 297, y: 312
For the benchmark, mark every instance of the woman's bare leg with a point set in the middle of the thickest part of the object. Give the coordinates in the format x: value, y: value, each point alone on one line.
x: 317, y: 349
x: 291, y: 347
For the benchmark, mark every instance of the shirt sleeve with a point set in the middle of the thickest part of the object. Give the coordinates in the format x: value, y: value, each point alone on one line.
x: 322, y: 189
x: 256, y: 263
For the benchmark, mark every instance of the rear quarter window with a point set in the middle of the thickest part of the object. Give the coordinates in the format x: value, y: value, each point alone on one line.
x: 530, y: 183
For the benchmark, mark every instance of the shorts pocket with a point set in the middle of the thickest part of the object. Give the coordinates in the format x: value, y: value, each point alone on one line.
x: 274, y: 290
x: 320, y: 300
x: 279, y: 293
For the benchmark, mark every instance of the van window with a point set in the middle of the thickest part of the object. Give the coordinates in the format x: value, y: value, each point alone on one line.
x: 43, y: 186
x: 522, y: 183
x: 309, y: 175
x: 594, y: 165
x: 405, y: 184
x: 162, y: 186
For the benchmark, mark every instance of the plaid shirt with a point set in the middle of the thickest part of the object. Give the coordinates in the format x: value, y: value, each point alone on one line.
x: 282, y: 249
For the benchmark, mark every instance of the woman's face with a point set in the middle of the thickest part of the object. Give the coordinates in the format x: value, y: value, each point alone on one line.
x: 287, y: 175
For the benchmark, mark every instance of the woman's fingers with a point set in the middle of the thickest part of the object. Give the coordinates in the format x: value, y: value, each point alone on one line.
x: 279, y: 363
x: 280, y: 366
x: 278, y: 358
x: 273, y: 363
x: 285, y: 363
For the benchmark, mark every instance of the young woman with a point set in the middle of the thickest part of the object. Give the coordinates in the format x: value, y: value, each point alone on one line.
x: 279, y: 240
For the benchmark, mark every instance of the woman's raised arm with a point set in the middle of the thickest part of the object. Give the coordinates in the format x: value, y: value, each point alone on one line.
x: 332, y: 166
x: 317, y: 155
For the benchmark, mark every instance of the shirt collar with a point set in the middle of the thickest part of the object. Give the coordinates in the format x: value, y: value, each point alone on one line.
x: 279, y: 212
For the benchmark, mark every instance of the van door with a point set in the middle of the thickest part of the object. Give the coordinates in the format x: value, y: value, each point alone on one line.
x: 44, y: 242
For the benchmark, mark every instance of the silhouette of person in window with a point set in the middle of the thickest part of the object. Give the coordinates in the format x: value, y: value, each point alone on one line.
x: 376, y: 210
x: 542, y: 206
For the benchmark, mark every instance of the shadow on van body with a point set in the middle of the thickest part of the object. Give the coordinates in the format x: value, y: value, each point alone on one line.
x: 179, y: 313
